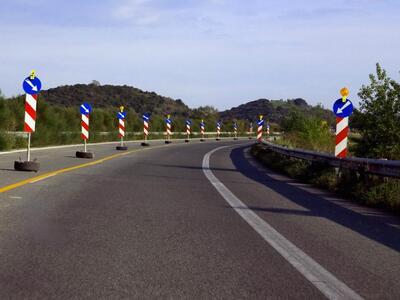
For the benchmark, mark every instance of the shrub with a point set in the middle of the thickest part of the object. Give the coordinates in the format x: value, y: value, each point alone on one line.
x: 6, y: 141
x: 368, y: 189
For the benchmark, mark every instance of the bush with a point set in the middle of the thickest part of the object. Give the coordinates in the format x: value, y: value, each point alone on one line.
x: 307, y: 133
x: 6, y: 141
x: 367, y: 189
x: 379, y: 120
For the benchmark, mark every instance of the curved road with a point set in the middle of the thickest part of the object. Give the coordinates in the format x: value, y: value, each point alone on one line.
x: 162, y: 223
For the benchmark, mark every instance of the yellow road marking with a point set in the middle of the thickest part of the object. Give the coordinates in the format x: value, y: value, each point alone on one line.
x: 69, y: 169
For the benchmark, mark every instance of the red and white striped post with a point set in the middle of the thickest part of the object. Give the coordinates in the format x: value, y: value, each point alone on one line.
x: 85, y: 110
x: 219, y: 124
x: 260, y: 124
x: 32, y: 86
x: 121, y: 125
x: 342, y: 128
x: 168, y: 123
x: 30, y: 119
x: 202, y: 129
x: 145, y: 129
x: 188, y: 130
x: 146, y: 119
x: 235, y: 131
x: 85, y: 129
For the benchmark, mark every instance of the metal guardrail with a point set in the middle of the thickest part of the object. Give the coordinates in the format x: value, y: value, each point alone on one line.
x: 381, y: 167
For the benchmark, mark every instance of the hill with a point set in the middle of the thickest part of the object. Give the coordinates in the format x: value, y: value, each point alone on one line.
x: 276, y: 110
x: 107, y: 96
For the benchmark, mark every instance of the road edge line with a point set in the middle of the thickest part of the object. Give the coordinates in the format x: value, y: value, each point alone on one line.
x: 322, y: 279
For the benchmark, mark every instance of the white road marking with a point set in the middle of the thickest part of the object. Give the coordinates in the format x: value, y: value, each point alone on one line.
x: 322, y: 279
x: 15, y: 197
x: 99, y: 144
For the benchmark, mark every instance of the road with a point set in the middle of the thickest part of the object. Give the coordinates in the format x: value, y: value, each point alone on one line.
x: 159, y: 223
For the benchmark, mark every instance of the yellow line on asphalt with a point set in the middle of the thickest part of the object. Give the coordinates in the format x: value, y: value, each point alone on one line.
x: 69, y: 169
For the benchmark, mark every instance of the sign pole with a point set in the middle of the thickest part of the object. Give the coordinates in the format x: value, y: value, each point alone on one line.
x: 218, y: 130
x: 342, y: 108
x: 28, y: 156
x: 188, y: 130
x: 260, y: 124
x: 202, y: 130
x: 146, y: 119
x: 32, y: 86
x: 121, y: 116
x: 85, y: 110
x: 168, y: 124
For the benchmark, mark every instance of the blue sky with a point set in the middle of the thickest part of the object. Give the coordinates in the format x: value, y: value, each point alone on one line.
x: 211, y: 52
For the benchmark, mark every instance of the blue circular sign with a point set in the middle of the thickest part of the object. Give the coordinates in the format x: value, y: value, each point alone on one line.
x: 32, y: 86
x: 85, y: 109
x: 146, y: 117
x: 121, y: 115
x: 343, y: 109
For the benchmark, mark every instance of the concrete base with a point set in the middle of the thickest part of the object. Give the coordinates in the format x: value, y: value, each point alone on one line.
x: 121, y: 148
x: 82, y: 154
x: 27, y: 166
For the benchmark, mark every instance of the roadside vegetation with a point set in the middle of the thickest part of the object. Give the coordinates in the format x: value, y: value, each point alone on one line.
x: 368, y: 189
x: 60, y: 125
x: 312, y: 133
x: 377, y: 135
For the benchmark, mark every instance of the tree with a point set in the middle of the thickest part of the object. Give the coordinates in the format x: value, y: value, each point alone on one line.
x: 95, y: 82
x: 379, y: 121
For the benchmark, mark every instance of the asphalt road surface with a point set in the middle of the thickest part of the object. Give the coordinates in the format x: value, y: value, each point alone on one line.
x: 162, y: 223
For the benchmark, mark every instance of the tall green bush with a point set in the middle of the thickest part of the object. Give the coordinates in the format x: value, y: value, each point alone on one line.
x: 307, y: 132
x: 379, y: 121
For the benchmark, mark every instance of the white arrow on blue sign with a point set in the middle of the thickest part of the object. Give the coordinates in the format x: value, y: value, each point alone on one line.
x: 121, y: 115
x: 343, y: 109
x: 146, y: 117
x: 85, y: 109
x: 32, y: 86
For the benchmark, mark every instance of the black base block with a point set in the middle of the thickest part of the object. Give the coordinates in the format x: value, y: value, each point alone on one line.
x: 28, y: 166
x: 82, y: 154
x: 121, y: 148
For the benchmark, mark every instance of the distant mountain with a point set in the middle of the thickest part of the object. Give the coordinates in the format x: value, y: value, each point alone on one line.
x: 111, y: 96
x: 106, y: 96
x: 275, y: 110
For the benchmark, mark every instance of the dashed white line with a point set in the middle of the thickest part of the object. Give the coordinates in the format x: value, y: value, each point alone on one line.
x: 322, y: 279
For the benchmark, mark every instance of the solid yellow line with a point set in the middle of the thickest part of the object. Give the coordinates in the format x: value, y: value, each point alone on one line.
x: 69, y: 169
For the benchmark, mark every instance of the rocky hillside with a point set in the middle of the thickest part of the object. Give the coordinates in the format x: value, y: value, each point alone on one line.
x: 105, y: 96
x: 275, y: 110
x: 136, y: 100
